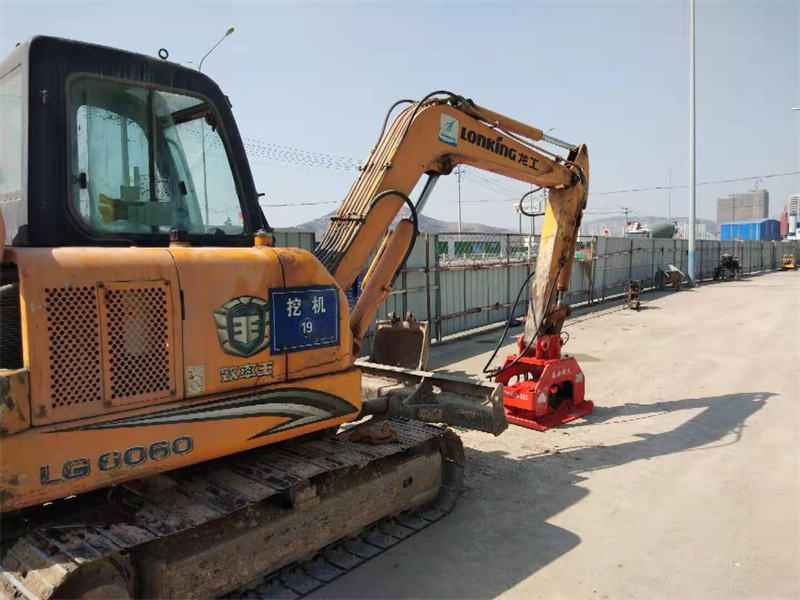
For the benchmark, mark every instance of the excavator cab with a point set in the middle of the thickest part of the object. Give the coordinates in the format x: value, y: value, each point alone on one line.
x: 133, y: 147
x: 151, y: 152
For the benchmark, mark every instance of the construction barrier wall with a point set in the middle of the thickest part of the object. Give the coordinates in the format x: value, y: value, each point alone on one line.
x: 458, y: 282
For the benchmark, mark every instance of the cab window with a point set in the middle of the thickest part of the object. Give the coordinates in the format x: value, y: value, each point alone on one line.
x: 145, y: 161
x: 11, y: 148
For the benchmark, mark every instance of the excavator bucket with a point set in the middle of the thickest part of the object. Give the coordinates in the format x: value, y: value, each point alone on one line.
x: 395, y: 392
x: 395, y: 383
x: 401, y: 343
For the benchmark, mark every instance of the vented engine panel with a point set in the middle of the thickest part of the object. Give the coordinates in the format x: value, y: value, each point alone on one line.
x: 110, y: 345
x: 74, y: 334
x: 10, y: 322
x: 137, y: 345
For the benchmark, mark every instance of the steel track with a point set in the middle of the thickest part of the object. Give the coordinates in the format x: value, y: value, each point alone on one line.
x: 302, y: 578
x: 42, y: 548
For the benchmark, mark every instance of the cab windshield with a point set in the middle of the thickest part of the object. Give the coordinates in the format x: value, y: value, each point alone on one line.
x: 145, y: 161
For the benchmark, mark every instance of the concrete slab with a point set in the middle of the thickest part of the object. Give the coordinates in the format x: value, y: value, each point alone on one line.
x: 684, y: 483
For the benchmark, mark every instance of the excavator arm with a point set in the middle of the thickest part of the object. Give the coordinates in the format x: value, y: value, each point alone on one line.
x: 432, y: 137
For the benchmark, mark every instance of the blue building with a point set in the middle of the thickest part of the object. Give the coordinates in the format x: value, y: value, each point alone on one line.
x: 755, y: 229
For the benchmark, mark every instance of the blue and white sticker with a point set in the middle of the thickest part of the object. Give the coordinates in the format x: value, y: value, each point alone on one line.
x: 448, y: 130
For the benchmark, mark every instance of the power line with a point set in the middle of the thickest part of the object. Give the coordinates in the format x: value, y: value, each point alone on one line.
x: 675, y: 187
x: 485, y: 177
x: 292, y: 155
x: 291, y: 204
x: 288, y: 154
x: 262, y: 150
x: 470, y: 175
x: 656, y: 188
x: 491, y: 186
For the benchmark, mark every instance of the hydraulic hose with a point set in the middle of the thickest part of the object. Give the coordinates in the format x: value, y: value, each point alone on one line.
x: 414, y: 220
x: 508, y: 322
x: 533, y: 337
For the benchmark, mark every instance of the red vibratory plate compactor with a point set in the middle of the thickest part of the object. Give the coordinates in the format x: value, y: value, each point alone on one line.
x: 549, y: 387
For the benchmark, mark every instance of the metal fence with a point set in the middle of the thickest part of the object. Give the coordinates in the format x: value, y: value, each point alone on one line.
x: 458, y: 282
x: 294, y: 238
x: 617, y: 260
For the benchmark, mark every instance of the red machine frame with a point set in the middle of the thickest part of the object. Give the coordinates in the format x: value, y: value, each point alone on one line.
x: 549, y: 389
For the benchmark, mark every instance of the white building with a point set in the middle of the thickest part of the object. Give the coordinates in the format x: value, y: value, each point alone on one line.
x: 793, y: 205
x: 699, y: 229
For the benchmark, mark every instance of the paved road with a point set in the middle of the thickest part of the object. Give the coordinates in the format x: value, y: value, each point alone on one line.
x: 684, y: 483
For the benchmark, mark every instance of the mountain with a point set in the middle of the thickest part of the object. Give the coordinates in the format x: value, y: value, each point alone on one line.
x: 426, y: 225
x: 615, y: 225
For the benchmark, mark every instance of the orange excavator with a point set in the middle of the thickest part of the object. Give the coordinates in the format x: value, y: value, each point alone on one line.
x: 171, y: 383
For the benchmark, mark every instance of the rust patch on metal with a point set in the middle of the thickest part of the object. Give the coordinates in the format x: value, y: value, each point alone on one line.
x: 372, y: 434
x: 14, y: 402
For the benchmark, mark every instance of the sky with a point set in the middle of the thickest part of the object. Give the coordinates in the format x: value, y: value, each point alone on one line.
x: 319, y: 77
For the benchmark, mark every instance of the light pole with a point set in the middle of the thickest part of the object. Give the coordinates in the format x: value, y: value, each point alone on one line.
x: 228, y: 31
x: 691, y: 147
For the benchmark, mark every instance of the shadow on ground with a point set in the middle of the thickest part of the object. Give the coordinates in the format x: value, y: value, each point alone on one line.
x: 498, y: 534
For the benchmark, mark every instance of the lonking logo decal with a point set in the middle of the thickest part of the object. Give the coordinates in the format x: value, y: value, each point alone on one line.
x: 242, y: 325
x: 497, y: 146
x: 448, y: 129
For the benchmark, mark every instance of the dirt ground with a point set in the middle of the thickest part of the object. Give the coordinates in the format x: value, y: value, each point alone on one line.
x: 683, y: 483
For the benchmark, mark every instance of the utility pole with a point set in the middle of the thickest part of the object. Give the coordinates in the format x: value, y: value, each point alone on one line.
x: 542, y: 208
x: 458, y: 177
x: 692, y: 140
x: 669, y: 197
x: 531, y: 239
x: 625, y: 225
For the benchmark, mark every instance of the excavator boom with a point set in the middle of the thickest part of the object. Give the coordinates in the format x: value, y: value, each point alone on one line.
x: 432, y: 137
